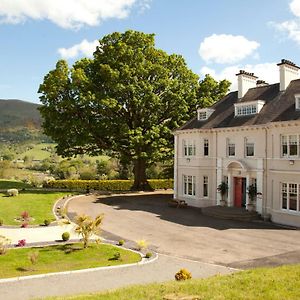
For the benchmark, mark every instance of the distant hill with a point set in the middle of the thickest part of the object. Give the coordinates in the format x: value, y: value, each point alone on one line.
x: 20, y: 121
x: 19, y: 114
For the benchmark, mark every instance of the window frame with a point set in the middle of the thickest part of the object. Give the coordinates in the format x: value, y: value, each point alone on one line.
x: 289, y: 145
x: 205, y: 186
x: 248, y: 144
x: 290, y: 191
x: 189, y: 185
x: 230, y: 146
x: 205, y: 147
x: 189, y: 148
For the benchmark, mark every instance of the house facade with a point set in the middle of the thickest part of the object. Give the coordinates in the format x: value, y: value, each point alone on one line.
x: 251, y: 137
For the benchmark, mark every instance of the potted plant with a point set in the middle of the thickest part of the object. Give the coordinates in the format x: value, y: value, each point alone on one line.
x: 222, y: 189
x: 252, y: 193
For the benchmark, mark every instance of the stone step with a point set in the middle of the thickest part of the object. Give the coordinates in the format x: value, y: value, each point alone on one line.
x: 229, y: 213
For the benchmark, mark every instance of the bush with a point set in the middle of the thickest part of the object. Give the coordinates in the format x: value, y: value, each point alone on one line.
x: 12, y: 192
x: 47, y: 222
x: 33, y: 257
x: 4, y: 243
x: 148, y: 255
x: 106, y: 185
x: 117, y: 256
x: 141, y: 244
x: 65, y: 236
x: 21, y: 243
x: 183, y: 274
x: 121, y: 242
x: 1, y: 222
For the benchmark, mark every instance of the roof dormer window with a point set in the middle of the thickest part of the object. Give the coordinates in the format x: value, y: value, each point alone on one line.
x: 204, y: 113
x: 248, y: 108
x: 297, y: 102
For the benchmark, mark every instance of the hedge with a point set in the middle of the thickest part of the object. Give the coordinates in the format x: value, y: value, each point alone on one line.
x: 106, y: 185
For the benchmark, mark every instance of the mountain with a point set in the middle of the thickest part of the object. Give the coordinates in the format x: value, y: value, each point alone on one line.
x: 19, y: 114
x: 20, y: 121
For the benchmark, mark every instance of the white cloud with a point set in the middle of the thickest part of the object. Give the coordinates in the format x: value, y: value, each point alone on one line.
x: 84, y: 48
x: 291, y: 28
x: 65, y: 13
x: 266, y: 71
x: 226, y: 48
x: 295, y: 7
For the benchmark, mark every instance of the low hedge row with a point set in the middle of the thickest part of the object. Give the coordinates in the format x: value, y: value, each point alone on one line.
x: 106, y: 185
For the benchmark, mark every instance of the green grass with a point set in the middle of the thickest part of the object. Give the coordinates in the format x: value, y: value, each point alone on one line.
x: 11, y: 184
x: 37, y: 151
x: 282, y: 283
x: 62, y: 258
x: 39, y: 205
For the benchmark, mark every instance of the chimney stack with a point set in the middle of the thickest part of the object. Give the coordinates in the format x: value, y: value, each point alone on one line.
x: 260, y: 83
x: 246, y: 81
x: 288, y: 71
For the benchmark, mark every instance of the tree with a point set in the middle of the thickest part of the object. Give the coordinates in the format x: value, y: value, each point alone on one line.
x: 86, y: 227
x: 211, y: 90
x: 127, y: 99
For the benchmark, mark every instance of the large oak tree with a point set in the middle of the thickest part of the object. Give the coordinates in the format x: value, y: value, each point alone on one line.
x: 127, y: 99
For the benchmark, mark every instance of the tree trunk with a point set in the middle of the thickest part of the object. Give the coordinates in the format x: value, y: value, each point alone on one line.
x: 140, y: 179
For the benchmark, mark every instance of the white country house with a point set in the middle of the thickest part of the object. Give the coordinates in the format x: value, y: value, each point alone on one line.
x: 250, y: 137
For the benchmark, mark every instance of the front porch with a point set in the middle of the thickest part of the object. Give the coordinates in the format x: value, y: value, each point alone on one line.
x: 230, y: 213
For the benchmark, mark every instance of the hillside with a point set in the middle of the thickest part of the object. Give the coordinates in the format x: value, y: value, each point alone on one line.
x: 19, y: 114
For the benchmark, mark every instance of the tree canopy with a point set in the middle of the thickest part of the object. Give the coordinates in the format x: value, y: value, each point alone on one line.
x: 127, y: 99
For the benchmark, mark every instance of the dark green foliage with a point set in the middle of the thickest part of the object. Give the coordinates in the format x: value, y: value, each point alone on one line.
x: 126, y: 100
x: 65, y: 236
x: 47, y: 222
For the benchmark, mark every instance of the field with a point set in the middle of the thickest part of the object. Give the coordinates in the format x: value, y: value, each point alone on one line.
x: 61, y: 258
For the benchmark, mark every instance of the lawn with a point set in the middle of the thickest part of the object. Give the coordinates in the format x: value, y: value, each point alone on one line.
x: 38, y: 204
x: 267, y: 283
x: 61, y: 258
x: 12, y: 184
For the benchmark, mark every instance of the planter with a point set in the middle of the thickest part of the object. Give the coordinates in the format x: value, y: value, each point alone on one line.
x: 223, y: 203
x: 251, y: 207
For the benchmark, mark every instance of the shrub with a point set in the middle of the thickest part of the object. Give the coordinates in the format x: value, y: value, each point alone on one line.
x: 65, y: 236
x: 24, y: 225
x: 47, y: 222
x: 121, y: 242
x: 4, y: 243
x: 1, y: 222
x: 21, y: 243
x: 106, y: 185
x: 148, y: 254
x: 25, y: 215
x: 117, y: 256
x: 183, y: 274
x: 141, y: 244
x: 12, y: 192
x: 33, y: 257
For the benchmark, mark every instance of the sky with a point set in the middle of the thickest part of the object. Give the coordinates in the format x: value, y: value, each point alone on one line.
x: 216, y: 37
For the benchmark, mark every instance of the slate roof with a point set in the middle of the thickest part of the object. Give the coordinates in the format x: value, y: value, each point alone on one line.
x: 279, y: 106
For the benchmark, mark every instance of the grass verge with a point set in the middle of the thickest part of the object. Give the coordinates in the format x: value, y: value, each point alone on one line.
x: 38, y: 204
x: 61, y: 258
x: 12, y: 184
x: 265, y: 283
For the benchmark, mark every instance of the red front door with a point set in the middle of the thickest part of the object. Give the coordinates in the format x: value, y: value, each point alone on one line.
x: 238, y: 191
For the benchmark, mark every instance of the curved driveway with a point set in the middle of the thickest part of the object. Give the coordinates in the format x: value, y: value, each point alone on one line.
x: 186, y: 233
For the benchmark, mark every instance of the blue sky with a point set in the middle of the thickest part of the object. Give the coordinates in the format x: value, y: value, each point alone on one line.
x: 216, y: 37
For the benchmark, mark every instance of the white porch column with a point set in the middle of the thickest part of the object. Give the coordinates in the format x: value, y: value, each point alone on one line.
x: 230, y: 190
x: 219, y: 179
x: 247, y: 185
x: 259, y: 198
x: 260, y: 185
x: 175, y: 166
